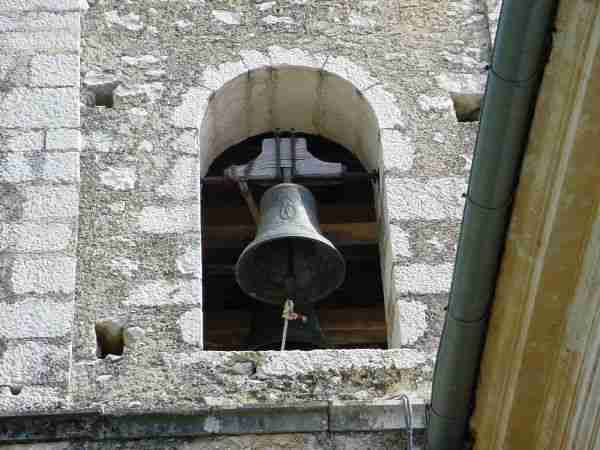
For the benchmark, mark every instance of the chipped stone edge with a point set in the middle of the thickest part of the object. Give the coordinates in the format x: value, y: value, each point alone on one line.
x: 381, y: 415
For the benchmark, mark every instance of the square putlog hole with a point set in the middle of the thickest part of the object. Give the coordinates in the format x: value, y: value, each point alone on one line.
x: 109, y: 338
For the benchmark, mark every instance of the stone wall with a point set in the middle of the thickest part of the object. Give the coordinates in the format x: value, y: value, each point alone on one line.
x: 170, y: 75
x: 321, y: 441
x: 39, y: 192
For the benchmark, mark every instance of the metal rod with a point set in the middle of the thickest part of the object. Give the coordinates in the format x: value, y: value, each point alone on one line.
x: 245, y: 191
x: 348, y: 177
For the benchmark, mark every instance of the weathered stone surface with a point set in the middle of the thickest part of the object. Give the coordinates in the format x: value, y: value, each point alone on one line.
x: 131, y: 21
x: 16, y: 168
x: 39, y: 21
x: 398, y: 151
x: 32, y: 400
x: 22, y: 141
x: 37, y: 237
x: 412, y: 318
x: 50, y: 202
x: 39, y: 41
x: 190, y: 324
x: 33, y: 5
x: 227, y: 17
x: 61, y: 139
x: 38, y: 108
x: 119, y: 178
x: 183, y: 181
x: 43, y: 274
x: 385, y: 107
x: 165, y: 292
x: 37, y: 318
x: 423, y: 279
x: 175, y: 219
x: 436, y: 199
x: 189, y: 113
x: 55, y: 70
x: 33, y: 363
x: 190, y: 262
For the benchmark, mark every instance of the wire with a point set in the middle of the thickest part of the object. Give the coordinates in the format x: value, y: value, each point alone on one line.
x: 408, y: 420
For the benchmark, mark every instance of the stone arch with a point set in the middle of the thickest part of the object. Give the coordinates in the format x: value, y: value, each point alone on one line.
x: 305, y: 99
x: 333, y: 98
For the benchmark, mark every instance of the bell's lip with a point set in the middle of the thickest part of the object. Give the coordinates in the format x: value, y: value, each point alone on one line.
x: 335, y: 253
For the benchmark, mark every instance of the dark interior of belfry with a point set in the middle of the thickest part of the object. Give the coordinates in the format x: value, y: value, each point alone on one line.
x: 350, y: 316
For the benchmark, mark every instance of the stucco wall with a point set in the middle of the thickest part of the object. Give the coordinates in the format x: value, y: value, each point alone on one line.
x: 122, y: 243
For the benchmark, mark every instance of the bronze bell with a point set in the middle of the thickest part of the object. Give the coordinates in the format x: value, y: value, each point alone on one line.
x: 265, y: 332
x: 289, y: 258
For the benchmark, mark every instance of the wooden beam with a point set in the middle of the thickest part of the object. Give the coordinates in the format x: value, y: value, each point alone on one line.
x: 343, y: 326
x: 364, y: 232
x: 227, y: 214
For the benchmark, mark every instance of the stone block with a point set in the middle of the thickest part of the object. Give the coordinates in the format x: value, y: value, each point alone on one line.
x: 409, y: 323
x: 37, y: 237
x: 27, y: 42
x: 254, y: 59
x: 119, y: 178
x: 33, y: 399
x: 35, y: 318
x: 165, y: 292
x: 55, y: 70
x: 433, y: 199
x: 21, y: 141
x: 345, y: 68
x: 400, y: 240
x: 130, y: 21
x: 190, y: 325
x: 50, y: 202
x: 423, y: 278
x: 183, y: 182
x: 43, y: 275
x: 280, y: 56
x: 187, y: 142
x: 144, y: 92
x: 385, y: 107
x: 63, y: 138
x: 227, y: 17
x: 167, y: 220
x: 63, y: 167
x: 25, y: 363
x: 190, y: 262
x: 40, y: 108
x: 100, y: 141
x: 38, y: 21
x: 193, y: 105
x: 398, y: 151
x: 215, y: 77
x: 35, y: 5
x: 16, y: 168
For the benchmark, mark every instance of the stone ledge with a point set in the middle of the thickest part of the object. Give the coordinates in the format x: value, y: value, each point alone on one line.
x: 296, y: 418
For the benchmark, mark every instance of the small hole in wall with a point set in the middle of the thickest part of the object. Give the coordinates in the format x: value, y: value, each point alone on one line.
x: 109, y: 338
x: 103, y: 95
x: 15, y: 389
x: 466, y: 106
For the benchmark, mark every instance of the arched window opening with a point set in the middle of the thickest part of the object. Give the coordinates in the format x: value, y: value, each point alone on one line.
x: 352, y: 316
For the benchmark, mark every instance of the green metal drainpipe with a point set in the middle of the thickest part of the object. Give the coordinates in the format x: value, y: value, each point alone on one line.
x: 520, y: 54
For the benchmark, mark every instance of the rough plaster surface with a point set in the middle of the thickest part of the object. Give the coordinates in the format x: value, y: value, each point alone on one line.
x: 389, y: 75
